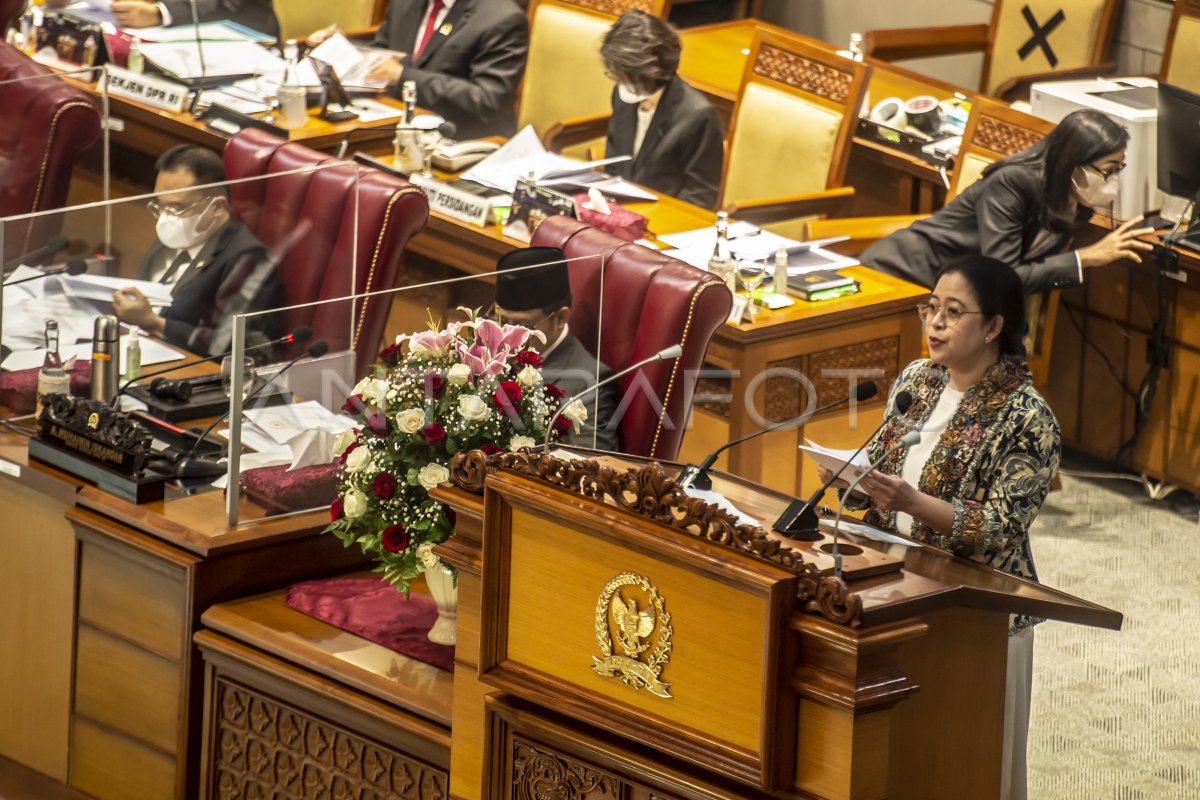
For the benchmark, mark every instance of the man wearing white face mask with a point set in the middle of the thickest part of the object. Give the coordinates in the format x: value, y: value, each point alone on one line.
x: 1025, y: 210
x: 670, y: 129
x: 215, y: 266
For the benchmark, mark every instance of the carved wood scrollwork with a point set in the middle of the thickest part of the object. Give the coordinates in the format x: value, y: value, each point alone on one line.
x: 266, y: 749
x: 540, y: 775
x: 1002, y: 137
x: 804, y: 74
x: 650, y: 492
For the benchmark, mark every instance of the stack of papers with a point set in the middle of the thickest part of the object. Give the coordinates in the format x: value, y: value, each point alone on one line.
x: 353, y: 65
x: 748, y: 241
x: 833, y: 459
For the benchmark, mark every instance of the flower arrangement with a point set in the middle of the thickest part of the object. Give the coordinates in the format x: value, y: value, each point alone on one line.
x: 472, y: 385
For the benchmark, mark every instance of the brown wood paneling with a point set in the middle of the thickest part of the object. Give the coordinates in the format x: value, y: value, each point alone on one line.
x: 110, y: 766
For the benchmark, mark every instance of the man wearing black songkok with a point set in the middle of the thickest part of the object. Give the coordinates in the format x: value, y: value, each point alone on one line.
x: 533, y: 289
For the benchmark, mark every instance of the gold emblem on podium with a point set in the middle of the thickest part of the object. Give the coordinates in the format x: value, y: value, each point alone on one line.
x: 631, y: 610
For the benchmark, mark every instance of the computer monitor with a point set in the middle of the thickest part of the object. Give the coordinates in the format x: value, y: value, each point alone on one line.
x: 1179, y: 143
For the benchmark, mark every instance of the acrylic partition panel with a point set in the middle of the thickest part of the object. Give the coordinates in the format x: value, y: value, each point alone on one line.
x: 378, y: 417
x: 178, y: 268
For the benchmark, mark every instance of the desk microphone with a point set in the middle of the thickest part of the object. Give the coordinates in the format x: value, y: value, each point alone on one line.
x: 667, y: 353
x: 906, y: 441
x: 54, y: 244
x: 200, y: 54
x: 189, y: 467
x: 698, y: 476
x: 800, y: 519
x: 75, y: 267
x: 299, y: 335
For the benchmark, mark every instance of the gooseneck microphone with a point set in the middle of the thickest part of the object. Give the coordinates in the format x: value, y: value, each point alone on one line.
x: 189, y: 467
x: 666, y: 354
x: 299, y: 335
x: 698, y: 476
x: 799, y: 520
x: 906, y: 441
x: 74, y: 267
x: 55, y: 244
x: 200, y: 55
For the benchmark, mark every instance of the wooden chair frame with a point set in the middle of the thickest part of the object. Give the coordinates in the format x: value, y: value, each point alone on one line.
x: 899, y: 44
x: 1183, y: 8
x: 607, y: 8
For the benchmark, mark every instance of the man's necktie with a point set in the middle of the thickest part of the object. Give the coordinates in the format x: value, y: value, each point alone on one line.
x: 181, y: 261
x: 435, y: 10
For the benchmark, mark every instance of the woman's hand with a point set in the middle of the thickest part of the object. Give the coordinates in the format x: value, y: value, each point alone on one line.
x: 1124, y: 242
x: 132, y: 308
x: 825, y: 474
x: 889, y: 492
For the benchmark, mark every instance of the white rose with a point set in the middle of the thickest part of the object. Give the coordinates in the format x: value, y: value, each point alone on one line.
x: 473, y: 408
x: 344, y: 440
x: 358, y: 459
x: 520, y: 441
x: 426, y: 556
x: 354, y: 504
x: 410, y: 421
x: 373, y: 390
x: 576, y: 412
x: 432, y: 474
x: 529, y: 376
x: 458, y: 374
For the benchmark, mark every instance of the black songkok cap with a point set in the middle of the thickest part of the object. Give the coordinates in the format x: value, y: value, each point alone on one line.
x: 547, y: 286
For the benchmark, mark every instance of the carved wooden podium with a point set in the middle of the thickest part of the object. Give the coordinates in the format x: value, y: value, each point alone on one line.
x: 619, y: 639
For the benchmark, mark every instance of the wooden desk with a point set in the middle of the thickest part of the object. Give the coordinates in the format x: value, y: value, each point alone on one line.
x: 714, y: 61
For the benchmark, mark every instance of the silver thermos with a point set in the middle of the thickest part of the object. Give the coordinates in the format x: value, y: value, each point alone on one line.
x: 106, y: 358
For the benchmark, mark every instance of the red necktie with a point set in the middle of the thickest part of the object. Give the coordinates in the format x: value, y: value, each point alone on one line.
x: 435, y: 9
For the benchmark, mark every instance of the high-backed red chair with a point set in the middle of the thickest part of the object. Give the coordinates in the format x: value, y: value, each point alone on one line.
x: 308, y: 220
x: 45, y: 123
x: 650, y: 301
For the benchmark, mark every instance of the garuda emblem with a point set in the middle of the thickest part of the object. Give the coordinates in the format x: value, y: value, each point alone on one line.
x: 631, y: 611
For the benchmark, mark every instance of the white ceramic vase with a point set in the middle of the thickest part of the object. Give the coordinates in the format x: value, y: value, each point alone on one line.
x: 444, y: 592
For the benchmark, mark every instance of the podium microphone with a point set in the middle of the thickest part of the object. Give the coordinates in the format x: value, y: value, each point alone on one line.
x: 666, y: 354
x: 800, y: 518
x: 906, y: 441
x: 299, y: 335
x: 75, y: 267
x: 189, y: 467
x: 200, y: 55
x: 697, y: 476
x: 55, y: 244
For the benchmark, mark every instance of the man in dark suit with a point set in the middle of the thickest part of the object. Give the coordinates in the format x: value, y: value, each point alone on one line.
x: 465, y: 56
x: 670, y: 129
x: 533, y: 289
x: 256, y: 14
x: 216, y: 267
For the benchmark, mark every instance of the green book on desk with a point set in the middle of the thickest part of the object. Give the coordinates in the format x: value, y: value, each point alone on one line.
x: 822, y: 284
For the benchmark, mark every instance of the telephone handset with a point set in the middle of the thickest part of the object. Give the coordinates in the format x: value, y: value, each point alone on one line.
x: 459, y: 155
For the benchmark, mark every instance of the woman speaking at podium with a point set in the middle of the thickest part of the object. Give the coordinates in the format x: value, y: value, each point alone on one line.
x: 1024, y: 210
x: 989, y: 450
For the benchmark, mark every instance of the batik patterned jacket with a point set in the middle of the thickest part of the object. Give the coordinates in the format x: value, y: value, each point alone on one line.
x: 995, y: 462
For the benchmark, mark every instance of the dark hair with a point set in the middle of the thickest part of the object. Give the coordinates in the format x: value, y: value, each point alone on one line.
x: 999, y: 292
x: 641, y: 51
x: 204, y: 164
x: 1081, y: 138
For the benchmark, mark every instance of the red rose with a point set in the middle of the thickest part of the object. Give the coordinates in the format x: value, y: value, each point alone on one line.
x: 433, y: 433
x: 354, y: 404
x: 435, y: 385
x: 377, y: 424
x: 390, y: 355
x: 384, y: 486
x: 490, y: 449
x: 554, y: 392
x: 507, y: 394
x: 562, y: 424
x: 394, y: 539
x: 335, y: 510
x: 529, y: 358
x: 350, y: 449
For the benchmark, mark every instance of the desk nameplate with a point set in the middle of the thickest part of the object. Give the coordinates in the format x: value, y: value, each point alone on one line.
x: 156, y: 92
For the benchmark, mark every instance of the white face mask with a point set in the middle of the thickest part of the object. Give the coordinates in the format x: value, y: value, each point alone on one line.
x: 628, y: 95
x: 1093, y: 189
x: 181, y: 233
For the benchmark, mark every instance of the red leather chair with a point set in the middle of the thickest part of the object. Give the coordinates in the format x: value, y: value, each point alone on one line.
x: 45, y: 123
x: 10, y: 12
x: 308, y: 220
x: 651, y: 301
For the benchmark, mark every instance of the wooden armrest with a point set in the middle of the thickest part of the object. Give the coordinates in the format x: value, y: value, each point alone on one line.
x: 361, y: 34
x: 778, y: 209
x: 863, y: 231
x: 898, y: 44
x: 571, y: 132
x: 1017, y: 88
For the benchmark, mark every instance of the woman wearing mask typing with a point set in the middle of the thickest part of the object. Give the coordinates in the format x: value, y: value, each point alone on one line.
x: 1024, y: 210
x: 671, y: 130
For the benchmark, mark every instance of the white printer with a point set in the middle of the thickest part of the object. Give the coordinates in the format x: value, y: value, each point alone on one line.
x: 1131, y: 102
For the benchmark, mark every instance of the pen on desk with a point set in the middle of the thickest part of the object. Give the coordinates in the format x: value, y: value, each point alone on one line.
x: 747, y: 234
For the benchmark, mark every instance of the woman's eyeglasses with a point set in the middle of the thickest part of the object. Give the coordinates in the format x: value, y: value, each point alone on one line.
x: 951, y: 315
x: 1108, y: 173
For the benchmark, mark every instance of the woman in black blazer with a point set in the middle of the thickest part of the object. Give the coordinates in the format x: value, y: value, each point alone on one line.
x: 1024, y: 210
x: 679, y: 151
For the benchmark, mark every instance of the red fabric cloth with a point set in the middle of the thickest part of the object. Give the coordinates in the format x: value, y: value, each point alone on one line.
x: 279, y: 491
x: 373, y: 609
x: 620, y: 221
x: 18, y: 390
